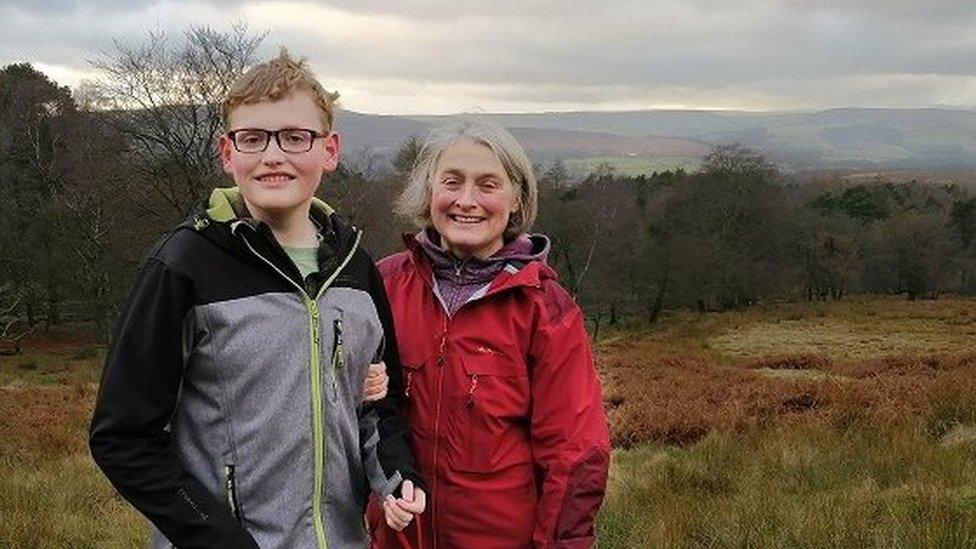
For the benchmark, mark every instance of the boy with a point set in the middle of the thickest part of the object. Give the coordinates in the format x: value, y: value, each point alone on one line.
x: 230, y: 410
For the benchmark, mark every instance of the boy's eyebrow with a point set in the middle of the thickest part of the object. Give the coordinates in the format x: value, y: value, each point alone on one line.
x: 288, y: 127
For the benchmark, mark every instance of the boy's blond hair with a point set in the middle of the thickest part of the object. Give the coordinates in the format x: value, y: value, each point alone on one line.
x: 274, y: 79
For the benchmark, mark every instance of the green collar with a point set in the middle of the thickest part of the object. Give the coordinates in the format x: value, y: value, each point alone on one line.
x: 226, y: 204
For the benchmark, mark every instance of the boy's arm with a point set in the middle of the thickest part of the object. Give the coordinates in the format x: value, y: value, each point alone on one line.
x: 392, y: 449
x: 129, y: 437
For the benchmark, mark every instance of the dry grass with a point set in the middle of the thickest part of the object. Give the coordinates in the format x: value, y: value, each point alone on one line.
x: 676, y: 385
x: 798, y: 425
x: 804, y: 486
x: 44, y: 420
x: 51, y: 494
x: 809, y: 425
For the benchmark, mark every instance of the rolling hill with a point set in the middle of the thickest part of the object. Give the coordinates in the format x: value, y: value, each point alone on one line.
x: 844, y: 139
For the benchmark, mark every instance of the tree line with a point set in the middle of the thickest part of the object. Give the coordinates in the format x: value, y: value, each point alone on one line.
x: 740, y: 232
x: 88, y: 180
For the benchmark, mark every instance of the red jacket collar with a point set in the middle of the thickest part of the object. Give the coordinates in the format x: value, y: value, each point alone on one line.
x: 532, y: 274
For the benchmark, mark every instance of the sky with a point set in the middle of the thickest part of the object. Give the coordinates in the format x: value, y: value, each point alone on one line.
x: 446, y: 56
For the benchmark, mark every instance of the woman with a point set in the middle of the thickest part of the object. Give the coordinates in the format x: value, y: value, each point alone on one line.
x: 503, y: 401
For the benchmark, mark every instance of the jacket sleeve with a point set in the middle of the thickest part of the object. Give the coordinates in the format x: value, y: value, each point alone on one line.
x: 392, y: 449
x: 129, y: 436
x: 570, y: 438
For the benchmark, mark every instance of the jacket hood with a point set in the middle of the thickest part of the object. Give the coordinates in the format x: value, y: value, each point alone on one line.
x: 523, y: 249
x: 226, y: 207
x: 226, y: 204
x: 521, y: 262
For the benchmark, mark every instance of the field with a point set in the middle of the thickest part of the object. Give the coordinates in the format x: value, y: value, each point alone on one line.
x: 817, y: 425
x: 849, y: 424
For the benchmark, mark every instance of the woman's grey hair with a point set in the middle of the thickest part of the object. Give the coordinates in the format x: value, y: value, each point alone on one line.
x: 414, y: 202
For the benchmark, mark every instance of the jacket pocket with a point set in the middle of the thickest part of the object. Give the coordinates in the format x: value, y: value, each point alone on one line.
x: 415, y: 392
x: 230, y: 489
x: 492, y: 415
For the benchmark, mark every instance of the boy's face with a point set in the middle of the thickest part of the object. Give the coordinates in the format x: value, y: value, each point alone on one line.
x: 275, y: 183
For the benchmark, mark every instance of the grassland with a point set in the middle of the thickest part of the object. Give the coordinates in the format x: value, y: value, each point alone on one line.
x: 51, y: 494
x: 848, y: 424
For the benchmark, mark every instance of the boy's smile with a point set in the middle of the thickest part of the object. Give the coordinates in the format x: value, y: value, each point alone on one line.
x: 278, y: 185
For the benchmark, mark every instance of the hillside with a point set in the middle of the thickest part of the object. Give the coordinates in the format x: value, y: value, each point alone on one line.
x: 844, y: 139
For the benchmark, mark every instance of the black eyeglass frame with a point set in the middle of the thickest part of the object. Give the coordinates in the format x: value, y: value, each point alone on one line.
x: 268, y: 134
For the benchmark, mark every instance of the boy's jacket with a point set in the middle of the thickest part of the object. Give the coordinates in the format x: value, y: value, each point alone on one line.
x: 230, y: 410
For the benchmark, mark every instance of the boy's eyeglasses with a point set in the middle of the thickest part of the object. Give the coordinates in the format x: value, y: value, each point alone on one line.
x: 291, y: 140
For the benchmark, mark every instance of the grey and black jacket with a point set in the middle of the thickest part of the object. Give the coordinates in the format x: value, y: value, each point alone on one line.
x: 230, y: 410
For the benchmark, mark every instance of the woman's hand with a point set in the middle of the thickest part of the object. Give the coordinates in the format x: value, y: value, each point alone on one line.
x: 377, y: 382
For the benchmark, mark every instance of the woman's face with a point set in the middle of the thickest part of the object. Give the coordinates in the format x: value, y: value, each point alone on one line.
x: 471, y: 199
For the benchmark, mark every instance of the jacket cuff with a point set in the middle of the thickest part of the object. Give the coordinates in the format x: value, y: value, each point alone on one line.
x: 417, y: 482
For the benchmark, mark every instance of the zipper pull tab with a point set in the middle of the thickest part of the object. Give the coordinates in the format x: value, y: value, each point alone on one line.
x: 337, y: 326
x: 471, y: 388
x: 338, y: 355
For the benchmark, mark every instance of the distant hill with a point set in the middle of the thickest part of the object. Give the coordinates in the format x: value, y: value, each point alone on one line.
x: 848, y: 139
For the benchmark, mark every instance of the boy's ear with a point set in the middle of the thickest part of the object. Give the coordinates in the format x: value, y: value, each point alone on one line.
x: 332, y: 146
x: 225, y: 149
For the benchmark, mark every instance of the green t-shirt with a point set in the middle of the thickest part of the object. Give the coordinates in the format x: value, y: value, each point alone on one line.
x: 306, y: 259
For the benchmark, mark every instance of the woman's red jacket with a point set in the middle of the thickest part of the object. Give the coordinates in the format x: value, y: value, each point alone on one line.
x: 504, y: 408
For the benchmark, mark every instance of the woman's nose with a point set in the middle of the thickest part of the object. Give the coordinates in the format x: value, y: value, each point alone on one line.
x: 467, y: 195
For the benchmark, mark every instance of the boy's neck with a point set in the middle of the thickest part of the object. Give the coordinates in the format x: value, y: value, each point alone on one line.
x: 294, y: 229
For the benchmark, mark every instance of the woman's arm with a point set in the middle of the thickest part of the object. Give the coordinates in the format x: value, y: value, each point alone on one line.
x: 570, y: 439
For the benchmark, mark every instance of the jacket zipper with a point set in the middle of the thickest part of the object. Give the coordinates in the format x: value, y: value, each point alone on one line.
x: 338, y: 354
x: 439, y: 361
x: 318, y: 429
x: 231, y: 488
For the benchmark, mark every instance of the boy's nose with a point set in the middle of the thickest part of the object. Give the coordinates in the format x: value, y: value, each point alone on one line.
x: 273, y: 154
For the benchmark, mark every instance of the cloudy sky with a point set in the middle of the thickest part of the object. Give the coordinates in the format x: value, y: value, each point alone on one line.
x: 442, y: 56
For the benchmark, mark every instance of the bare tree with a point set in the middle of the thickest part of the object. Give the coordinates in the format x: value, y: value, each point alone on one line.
x: 166, y: 100
x: 11, y: 327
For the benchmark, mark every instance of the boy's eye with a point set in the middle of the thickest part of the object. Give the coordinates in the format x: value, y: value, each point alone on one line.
x: 250, y: 138
x: 295, y: 138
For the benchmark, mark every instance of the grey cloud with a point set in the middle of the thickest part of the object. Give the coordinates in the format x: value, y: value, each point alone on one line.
x: 789, y: 52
